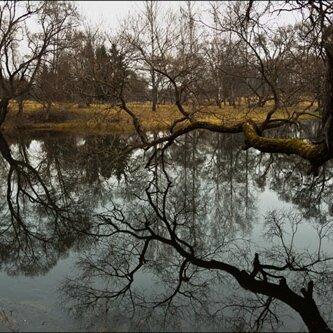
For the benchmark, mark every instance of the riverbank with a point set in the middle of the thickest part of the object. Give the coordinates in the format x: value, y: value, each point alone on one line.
x: 103, y: 119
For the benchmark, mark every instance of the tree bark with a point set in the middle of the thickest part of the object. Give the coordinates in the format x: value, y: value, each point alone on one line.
x: 316, y: 154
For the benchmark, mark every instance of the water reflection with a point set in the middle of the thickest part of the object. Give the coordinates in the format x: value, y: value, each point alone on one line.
x: 134, y: 228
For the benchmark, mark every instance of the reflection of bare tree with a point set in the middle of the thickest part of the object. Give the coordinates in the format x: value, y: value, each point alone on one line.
x: 216, y: 165
x: 313, y: 264
x: 284, y: 175
x: 36, y: 228
x: 230, y: 170
x: 125, y: 238
x: 197, y: 258
x: 50, y: 194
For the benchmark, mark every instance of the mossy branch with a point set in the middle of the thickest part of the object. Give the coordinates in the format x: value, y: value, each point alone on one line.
x: 316, y: 153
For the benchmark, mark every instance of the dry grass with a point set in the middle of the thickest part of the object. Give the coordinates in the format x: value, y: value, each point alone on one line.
x: 102, y: 118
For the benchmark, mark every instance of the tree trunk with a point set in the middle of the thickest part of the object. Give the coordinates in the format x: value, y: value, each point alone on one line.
x: 48, y: 110
x: 154, y: 97
x: 218, y: 96
x: 20, y: 106
x: 261, y: 102
x: 154, y: 90
x: 3, y: 109
x: 327, y: 118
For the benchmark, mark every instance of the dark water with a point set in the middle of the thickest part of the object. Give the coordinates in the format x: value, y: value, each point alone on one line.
x: 75, y: 213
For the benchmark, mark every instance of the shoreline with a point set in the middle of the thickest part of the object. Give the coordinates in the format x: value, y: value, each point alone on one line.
x: 103, y: 120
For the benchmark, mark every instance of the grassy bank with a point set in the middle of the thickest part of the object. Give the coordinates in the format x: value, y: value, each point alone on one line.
x: 101, y: 118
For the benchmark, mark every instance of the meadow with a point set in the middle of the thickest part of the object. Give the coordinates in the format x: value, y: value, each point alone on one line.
x: 104, y: 118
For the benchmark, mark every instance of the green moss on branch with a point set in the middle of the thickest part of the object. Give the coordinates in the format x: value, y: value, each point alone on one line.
x: 316, y: 154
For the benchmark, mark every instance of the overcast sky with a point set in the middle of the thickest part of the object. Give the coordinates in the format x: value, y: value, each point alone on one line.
x: 110, y: 13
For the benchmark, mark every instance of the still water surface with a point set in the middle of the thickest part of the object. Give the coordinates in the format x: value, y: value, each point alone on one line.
x: 62, y: 264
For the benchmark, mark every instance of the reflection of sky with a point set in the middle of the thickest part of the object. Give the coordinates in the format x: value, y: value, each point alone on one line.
x: 42, y: 290
x: 268, y: 201
x: 31, y: 302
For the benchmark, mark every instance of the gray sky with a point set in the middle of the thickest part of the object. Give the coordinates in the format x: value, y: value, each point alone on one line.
x: 109, y: 13
x: 106, y: 13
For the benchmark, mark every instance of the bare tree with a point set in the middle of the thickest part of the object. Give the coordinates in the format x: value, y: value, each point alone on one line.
x: 150, y: 13
x: 22, y: 49
x: 247, y: 26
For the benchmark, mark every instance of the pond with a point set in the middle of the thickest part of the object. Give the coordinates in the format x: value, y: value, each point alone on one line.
x: 76, y: 212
